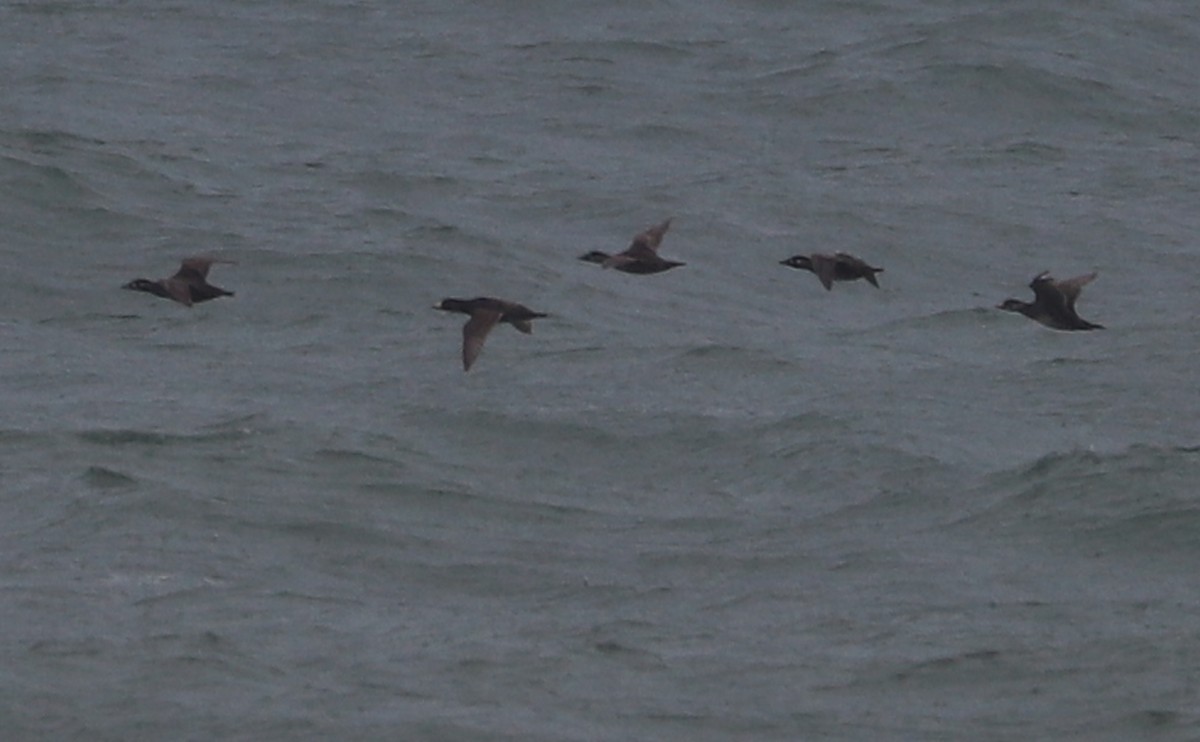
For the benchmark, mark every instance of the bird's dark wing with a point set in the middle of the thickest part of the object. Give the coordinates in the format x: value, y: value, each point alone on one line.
x: 194, y: 267
x: 825, y: 267
x: 636, y: 251
x: 1050, y: 299
x: 197, y: 267
x: 179, y: 289
x: 651, y: 238
x: 1071, y: 287
x: 1046, y: 290
x: 475, y: 332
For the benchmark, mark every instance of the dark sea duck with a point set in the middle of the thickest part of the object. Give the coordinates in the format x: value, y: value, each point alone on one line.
x: 1053, y: 302
x: 839, y: 266
x: 486, y: 313
x: 188, y: 286
x: 641, y: 257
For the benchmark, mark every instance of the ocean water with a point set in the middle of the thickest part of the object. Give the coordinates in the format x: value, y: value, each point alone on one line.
x: 716, y: 503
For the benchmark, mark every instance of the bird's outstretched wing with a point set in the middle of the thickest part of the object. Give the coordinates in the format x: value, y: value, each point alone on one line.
x: 475, y: 332
x: 825, y: 267
x: 1070, y: 287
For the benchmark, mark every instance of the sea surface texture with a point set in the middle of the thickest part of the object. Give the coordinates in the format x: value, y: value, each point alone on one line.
x: 718, y: 503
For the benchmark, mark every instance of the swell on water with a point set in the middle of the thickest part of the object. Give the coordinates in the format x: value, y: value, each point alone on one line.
x: 1140, y: 498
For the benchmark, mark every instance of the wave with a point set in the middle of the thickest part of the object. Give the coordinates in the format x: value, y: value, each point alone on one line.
x: 100, y: 477
x: 608, y: 51
x: 1141, y: 498
x: 31, y: 181
x: 722, y: 354
x: 45, y: 141
x: 133, y: 436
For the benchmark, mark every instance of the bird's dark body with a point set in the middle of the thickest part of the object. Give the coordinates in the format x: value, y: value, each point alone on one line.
x: 641, y: 257
x: 485, y: 313
x: 188, y: 286
x: 836, y: 267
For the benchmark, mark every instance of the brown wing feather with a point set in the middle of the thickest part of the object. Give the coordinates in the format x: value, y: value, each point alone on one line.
x: 475, y: 332
x: 1071, y: 287
x: 197, y: 266
x: 650, y: 239
x: 824, y: 266
x: 1046, y: 290
x: 636, y: 251
x: 179, y: 290
x: 194, y: 267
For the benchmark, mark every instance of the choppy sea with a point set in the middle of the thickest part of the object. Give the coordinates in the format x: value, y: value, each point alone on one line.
x: 716, y: 503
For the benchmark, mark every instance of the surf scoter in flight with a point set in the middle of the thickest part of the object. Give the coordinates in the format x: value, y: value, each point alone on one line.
x: 837, y: 267
x: 188, y: 286
x: 641, y: 257
x: 485, y: 313
x: 1053, y: 302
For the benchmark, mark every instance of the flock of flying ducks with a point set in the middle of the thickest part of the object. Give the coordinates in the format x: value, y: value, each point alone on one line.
x: 1053, y: 304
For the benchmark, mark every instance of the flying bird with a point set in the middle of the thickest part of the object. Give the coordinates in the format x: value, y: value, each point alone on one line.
x: 837, y: 267
x: 1053, y: 302
x: 188, y: 286
x: 485, y: 313
x: 641, y: 257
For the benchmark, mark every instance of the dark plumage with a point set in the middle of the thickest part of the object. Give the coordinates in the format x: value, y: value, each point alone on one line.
x: 641, y: 257
x: 485, y: 313
x: 1053, y: 302
x: 837, y: 267
x: 188, y: 286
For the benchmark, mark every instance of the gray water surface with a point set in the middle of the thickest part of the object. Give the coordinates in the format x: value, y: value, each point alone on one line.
x: 716, y: 503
